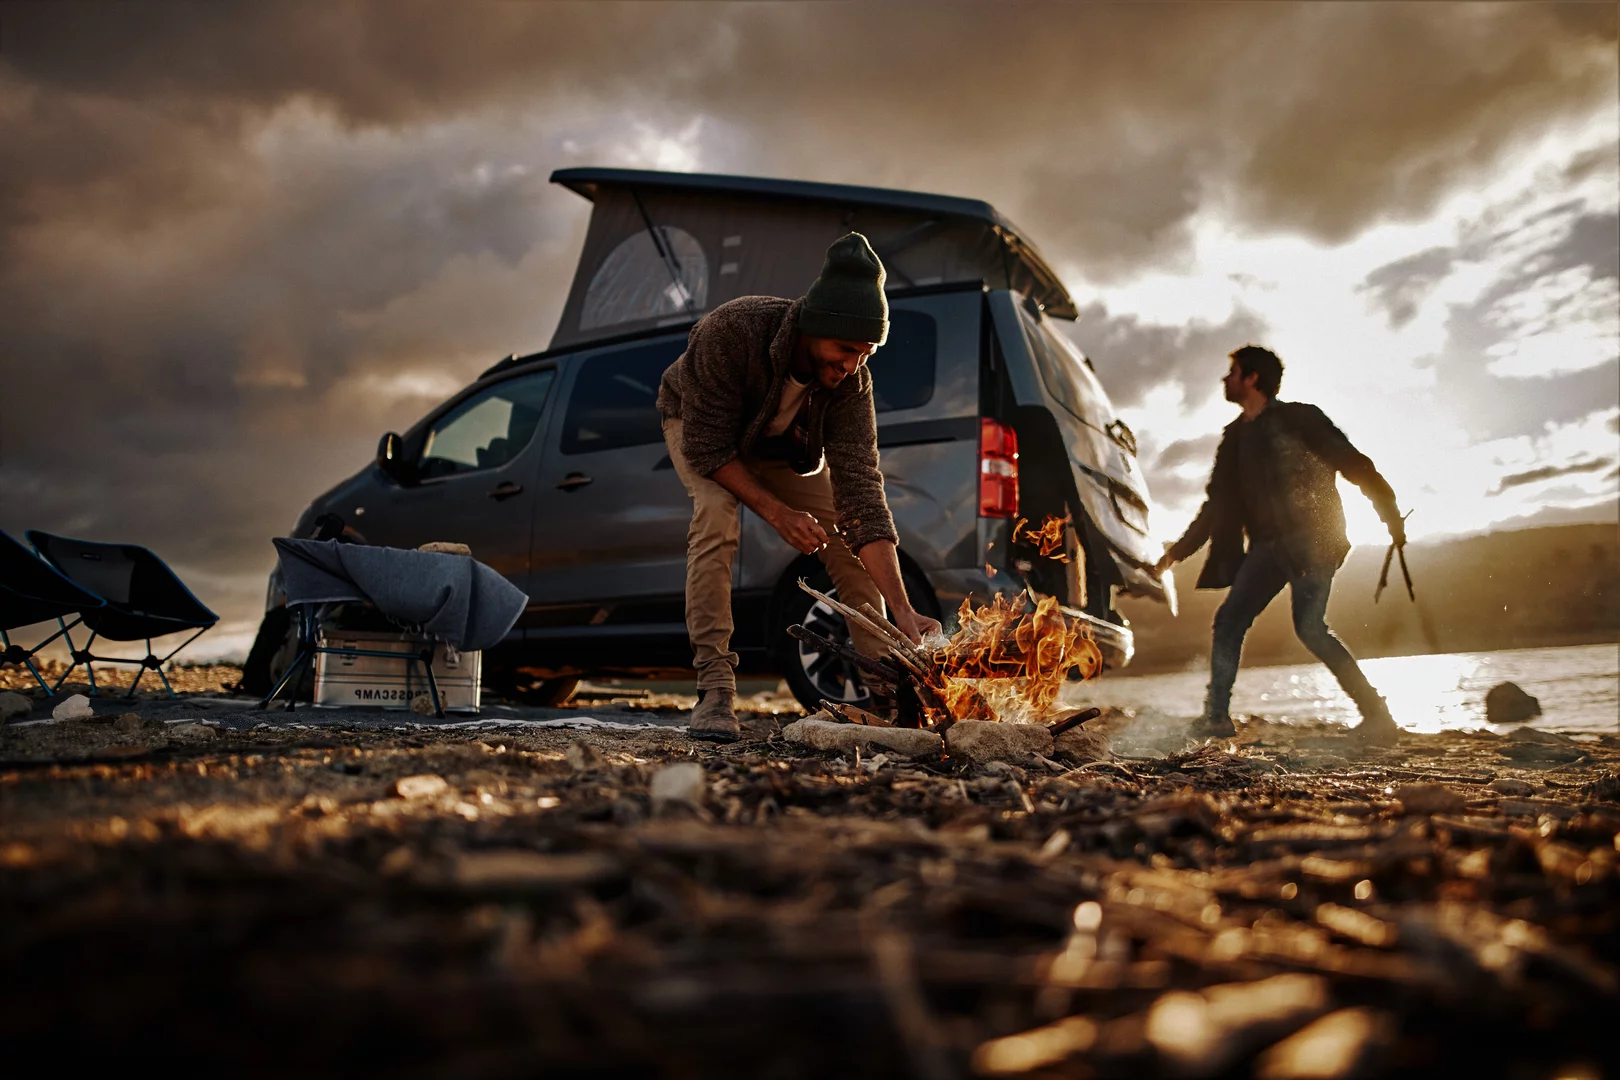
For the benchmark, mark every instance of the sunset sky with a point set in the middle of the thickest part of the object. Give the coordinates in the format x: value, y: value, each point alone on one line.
x: 238, y: 242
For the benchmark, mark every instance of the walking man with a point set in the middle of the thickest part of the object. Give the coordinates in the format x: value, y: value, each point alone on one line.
x: 1274, y: 480
x: 771, y: 406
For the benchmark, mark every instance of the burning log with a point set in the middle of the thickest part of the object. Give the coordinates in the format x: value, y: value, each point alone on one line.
x: 1004, y: 660
x: 1073, y: 720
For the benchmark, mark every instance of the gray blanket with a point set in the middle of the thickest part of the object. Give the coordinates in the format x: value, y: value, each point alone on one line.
x: 455, y: 598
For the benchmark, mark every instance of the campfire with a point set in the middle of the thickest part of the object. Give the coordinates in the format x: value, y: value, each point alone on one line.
x: 1005, y: 662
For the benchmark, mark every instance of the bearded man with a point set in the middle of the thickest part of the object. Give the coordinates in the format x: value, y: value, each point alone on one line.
x: 1274, y: 481
x: 771, y: 406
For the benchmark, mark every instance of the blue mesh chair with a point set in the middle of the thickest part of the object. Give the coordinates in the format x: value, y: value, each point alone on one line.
x: 144, y: 600
x: 33, y: 591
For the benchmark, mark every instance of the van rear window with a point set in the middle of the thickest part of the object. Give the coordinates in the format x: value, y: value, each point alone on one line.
x: 903, y: 368
x: 614, y: 402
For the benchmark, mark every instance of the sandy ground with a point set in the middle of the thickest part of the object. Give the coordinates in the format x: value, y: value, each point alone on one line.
x: 200, y: 883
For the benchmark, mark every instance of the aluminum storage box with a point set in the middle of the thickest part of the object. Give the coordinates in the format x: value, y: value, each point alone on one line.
x: 378, y: 682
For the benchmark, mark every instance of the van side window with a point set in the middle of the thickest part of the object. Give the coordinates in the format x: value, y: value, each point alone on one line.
x: 614, y: 402
x: 903, y: 367
x: 488, y: 429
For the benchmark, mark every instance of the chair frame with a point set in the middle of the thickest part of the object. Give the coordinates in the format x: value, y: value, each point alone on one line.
x: 17, y: 654
x: 147, y: 662
x: 309, y: 646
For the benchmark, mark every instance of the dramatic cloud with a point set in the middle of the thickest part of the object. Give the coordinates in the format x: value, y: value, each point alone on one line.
x: 237, y: 242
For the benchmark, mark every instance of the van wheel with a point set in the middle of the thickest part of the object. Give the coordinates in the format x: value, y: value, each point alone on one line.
x: 812, y: 675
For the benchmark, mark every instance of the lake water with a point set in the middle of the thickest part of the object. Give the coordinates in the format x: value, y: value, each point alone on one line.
x: 1579, y: 689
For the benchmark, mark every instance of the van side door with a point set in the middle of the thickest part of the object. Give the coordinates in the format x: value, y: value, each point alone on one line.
x: 473, y: 476
x: 610, y: 514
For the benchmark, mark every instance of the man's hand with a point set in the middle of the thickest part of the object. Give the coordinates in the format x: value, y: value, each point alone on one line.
x: 1397, y: 532
x: 802, y: 531
x: 1165, y: 563
x: 912, y: 624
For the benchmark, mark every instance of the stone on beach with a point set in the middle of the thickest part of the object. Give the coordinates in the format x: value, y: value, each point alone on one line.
x: 826, y: 735
x: 681, y: 783
x: 76, y: 707
x: 1506, y: 785
x: 583, y: 757
x: 422, y: 786
x: 193, y: 730
x: 993, y: 740
x: 1430, y: 799
x: 1507, y: 703
x: 14, y: 705
x: 1078, y: 746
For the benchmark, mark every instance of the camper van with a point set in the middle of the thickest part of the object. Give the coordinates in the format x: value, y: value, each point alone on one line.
x: 552, y: 466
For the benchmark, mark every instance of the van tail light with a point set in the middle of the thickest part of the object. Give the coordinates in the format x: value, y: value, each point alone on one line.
x: 998, y: 470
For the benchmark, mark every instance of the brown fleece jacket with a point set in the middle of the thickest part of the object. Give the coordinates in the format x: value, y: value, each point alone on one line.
x: 728, y: 384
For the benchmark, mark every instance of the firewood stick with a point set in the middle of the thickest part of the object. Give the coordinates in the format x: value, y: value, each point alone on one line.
x: 894, y: 634
x: 919, y: 666
x: 1073, y: 720
x: 843, y: 652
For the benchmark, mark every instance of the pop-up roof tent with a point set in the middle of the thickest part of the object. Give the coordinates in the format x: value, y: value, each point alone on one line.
x: 664, y: 248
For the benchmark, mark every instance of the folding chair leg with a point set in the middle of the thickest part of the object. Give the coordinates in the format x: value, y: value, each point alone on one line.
x: 73, y: 657
x: 302, y: 659
x: 136, y: 681
x: 5, y: 640
x: 166, y: 659
x: 166, y: 685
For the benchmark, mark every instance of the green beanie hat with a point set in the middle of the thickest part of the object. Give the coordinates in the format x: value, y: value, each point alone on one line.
x: 847, y: 302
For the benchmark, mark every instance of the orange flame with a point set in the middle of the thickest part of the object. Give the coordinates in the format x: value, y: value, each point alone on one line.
x: 1030, y: 652
x: 1048, y: 539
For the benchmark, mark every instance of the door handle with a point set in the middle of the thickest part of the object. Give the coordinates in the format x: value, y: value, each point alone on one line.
x: 573, y: 480
x: 505, y: 491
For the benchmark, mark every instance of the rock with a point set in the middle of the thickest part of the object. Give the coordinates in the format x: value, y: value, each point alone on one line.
x: 1430, y: 799
x: 14, y: 705
x: 193, y: 730
x: 583, y: 757
x: 992, y: 740
x: 682, y: 783
x: 76, y: 707
x: 1541, y: 738
x: 1507, y: 703
x: 826, y: 735
x: 1508, y: 786
x: 422, y: 786
x: 422, y: 704
x: 130, y: 721
x: 1079, y: 746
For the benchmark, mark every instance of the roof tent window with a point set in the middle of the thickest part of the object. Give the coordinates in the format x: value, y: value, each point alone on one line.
x: 903, y: 367
x: 642, y: 279
x: 614, y: 399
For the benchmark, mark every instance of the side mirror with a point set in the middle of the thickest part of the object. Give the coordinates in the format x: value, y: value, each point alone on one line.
x: 391, y: 455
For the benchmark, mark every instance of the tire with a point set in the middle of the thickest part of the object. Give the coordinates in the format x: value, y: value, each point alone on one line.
x: 812, y: 676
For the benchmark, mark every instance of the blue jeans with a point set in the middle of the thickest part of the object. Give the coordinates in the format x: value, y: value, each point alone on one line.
x: 1264, y: 572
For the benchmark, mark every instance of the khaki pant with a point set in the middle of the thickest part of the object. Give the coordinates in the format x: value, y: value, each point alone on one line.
x: 711, y: 547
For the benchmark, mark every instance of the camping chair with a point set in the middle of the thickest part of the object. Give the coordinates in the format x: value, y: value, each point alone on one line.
x: 34, y: 591
x: 144, y: 599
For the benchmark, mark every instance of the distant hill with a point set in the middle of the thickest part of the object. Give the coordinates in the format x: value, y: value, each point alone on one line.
x: 1558, y: 585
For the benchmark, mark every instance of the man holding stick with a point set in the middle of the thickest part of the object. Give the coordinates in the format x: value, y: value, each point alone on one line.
x: 771, y: 406
x: 1274, y: 480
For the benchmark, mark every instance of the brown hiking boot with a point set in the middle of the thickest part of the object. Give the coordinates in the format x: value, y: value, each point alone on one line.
x: 712, y: 718
x: 1212, y: 727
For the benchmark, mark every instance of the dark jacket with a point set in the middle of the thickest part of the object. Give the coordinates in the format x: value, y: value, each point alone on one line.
x: 1303, y: 452
x: 727, y: 385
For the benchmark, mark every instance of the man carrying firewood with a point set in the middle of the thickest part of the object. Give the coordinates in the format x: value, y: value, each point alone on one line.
x: 1274, y: 481
x: 771, y: 406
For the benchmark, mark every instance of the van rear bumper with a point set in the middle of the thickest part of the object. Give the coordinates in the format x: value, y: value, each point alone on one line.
x: 951, y: 587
